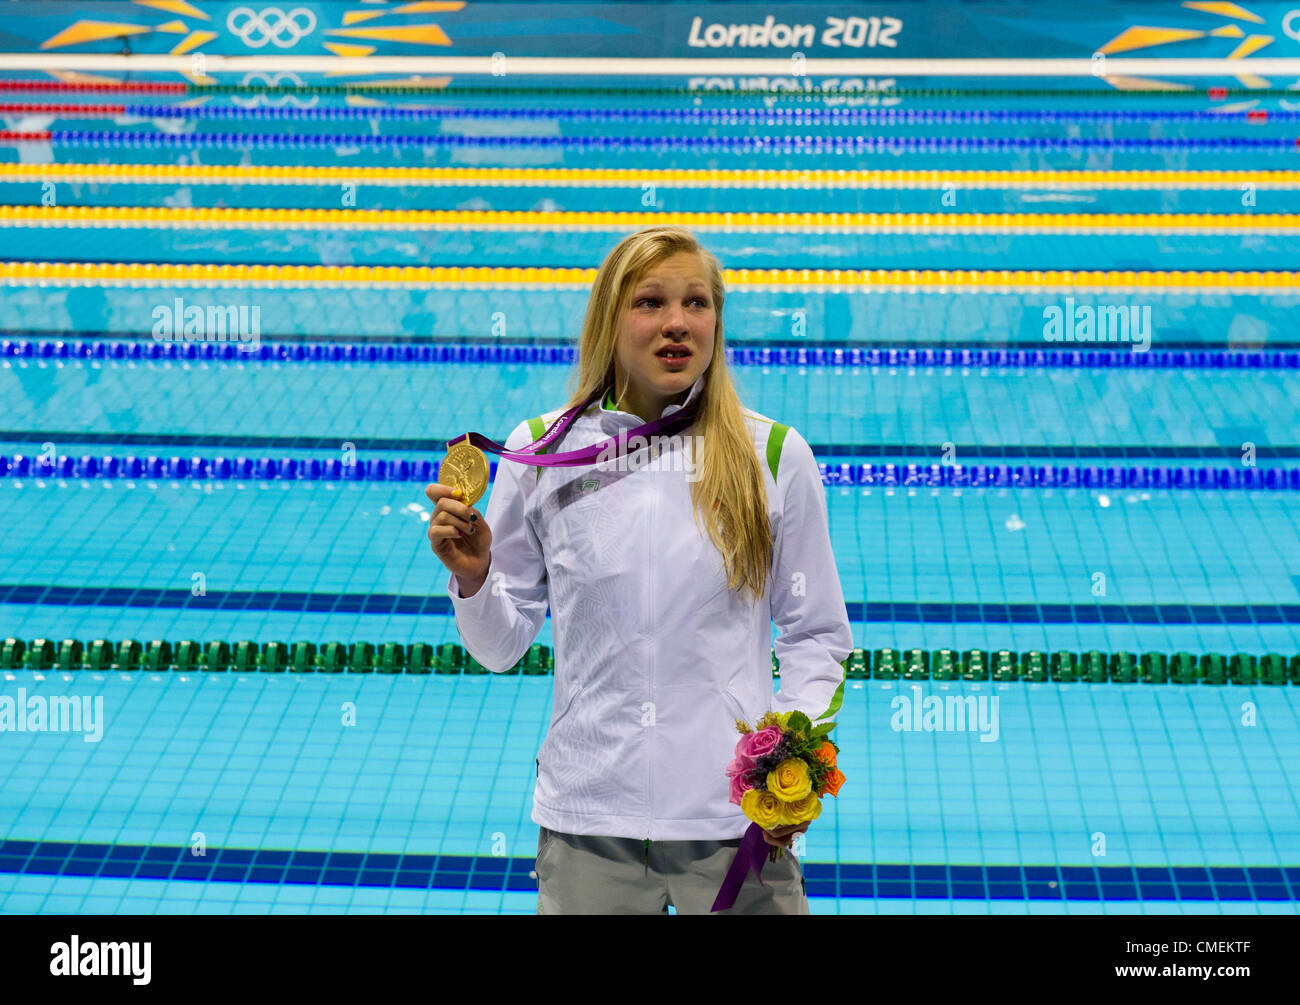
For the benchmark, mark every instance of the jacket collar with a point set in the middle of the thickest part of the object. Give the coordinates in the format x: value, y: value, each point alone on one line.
x: 609, y: 412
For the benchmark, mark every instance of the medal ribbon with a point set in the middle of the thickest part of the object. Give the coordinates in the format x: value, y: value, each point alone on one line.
x: 665, y: 425
x: 749, y: 858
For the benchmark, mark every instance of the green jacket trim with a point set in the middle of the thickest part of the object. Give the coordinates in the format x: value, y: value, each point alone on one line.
x: 775, y: 440
x: 836, y: 701
x: 537, y: 427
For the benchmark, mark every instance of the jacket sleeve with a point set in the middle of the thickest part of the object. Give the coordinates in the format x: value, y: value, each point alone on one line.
x: 814, y: 635
x: 499, y: 623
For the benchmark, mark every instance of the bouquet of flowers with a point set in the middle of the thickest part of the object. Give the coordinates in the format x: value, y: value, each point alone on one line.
x: 782, y: 768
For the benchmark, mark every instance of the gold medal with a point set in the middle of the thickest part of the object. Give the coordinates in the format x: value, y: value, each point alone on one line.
x: 466, y: 468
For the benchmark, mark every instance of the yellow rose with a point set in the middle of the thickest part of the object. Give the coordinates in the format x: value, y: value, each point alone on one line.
x: 789, y: 782
x: 784, y: 719
x: 761, y: 807
x: 793, y: 814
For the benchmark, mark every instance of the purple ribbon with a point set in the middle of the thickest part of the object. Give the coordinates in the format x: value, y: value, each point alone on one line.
x: 530, y: 454
x: 749, y: 858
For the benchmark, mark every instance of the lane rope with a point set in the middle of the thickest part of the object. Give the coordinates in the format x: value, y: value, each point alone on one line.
x: 244, y: 276
x: 45, y: 655
x: 1112, y: 477
x: 531, y: 354
x: 696, y: 116
x: 865, y: 224
x: 286, y: 174
x: 748, y: 144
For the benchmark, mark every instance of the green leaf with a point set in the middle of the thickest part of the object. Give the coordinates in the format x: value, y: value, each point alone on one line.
x: 799, y: 722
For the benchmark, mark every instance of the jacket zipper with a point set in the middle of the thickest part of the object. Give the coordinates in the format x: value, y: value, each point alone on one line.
x: 651, y: 642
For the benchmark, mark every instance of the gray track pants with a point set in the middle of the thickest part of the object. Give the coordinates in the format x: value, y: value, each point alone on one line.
x: 580, y: 874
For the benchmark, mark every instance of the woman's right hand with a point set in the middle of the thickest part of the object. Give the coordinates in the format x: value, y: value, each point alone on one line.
x: 460, y: 537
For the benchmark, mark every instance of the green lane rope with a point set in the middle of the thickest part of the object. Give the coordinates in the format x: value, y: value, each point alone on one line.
x: 1092, y: 667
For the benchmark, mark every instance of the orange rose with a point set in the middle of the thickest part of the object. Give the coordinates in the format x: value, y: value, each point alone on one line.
x: 831, y: 783
x: 826, y: 754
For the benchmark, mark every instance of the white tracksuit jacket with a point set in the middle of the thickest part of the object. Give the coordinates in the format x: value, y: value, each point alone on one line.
x: 655, y: 658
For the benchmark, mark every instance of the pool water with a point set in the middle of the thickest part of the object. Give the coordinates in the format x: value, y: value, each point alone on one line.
x: 1062, y: 497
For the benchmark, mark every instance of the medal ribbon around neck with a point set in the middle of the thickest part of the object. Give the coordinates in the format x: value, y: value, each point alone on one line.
x: 615, y: 446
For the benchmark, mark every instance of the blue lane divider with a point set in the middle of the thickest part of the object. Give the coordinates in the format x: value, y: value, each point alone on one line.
x: 230, y: 444
x: 438, y: 603
x: 718, y: 116
x: 525, y: 354
x: 377, y: 469
x: 750, y: 144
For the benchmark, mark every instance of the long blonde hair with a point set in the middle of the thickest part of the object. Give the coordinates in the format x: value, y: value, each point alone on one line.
x: 728, y: 492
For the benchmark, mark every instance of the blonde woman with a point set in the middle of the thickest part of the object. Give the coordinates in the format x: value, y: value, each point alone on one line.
x: 664, y: 569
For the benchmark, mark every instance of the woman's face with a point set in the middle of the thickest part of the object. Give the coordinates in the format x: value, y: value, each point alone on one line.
x: 666, y: 337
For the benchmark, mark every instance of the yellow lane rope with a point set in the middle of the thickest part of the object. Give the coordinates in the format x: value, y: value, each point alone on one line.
x: 186, y: 217
x: 130, y: 274
x: 635, y: 178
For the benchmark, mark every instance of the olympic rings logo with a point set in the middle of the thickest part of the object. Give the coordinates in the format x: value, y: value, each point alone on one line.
x: 267, y: 100
x: 1291, y: 24
x: 271, y: 24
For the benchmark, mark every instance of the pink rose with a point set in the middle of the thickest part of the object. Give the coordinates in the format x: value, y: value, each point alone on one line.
x: 736, y: 772
x: 759, y: 744
x: 739, y: 786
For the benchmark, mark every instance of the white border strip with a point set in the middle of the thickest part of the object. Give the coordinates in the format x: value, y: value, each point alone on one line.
x: 616, y: 67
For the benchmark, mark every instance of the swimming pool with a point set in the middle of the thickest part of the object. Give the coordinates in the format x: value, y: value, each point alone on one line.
x: 410, y: 273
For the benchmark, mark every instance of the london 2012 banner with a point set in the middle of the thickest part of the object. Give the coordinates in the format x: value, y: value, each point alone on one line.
x: 915, y: 30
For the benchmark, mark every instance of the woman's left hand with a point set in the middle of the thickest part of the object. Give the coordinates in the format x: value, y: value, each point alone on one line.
x: 784, y: 836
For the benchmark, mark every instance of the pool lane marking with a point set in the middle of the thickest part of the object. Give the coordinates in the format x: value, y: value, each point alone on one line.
x: 954, y: 612
x: 1169, y: 884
